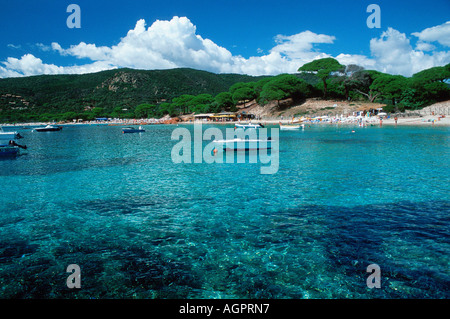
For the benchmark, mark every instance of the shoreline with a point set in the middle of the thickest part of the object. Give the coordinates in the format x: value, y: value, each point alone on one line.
x: 409, y: 121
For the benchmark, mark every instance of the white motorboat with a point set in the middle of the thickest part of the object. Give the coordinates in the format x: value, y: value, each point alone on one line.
x: 249, y: 125
x: 48, y: 128
x: 9, y: 135
x: 290, y: 127
x: 239, y: 144
x: 132, y: 130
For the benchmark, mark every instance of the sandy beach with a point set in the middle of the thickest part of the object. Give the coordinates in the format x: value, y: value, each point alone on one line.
x: 437, y: 114
x: 428, y: 120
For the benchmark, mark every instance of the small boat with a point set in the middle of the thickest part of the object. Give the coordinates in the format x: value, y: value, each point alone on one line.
x: 245, y: 144
x: 48, y: 128
x: 9, y: 135
x: 249, y: 125
x: 11, y: 149
x: 132, y: 130
x: 8, y: 151
x: 289, y: 127
x: 245, y: 148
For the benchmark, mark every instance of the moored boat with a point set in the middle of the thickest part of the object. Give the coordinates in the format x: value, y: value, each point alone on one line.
x: 11, y: 149
x: 132, y: 130
x: 249, y: 125
x: 288, y: 127
x: 9, y: 135
x: 245, y: 148
x: 245, y: 144
x: 8, y: 151
x: 48, y: 128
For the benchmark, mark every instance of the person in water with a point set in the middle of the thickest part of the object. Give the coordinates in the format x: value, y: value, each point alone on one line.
x: 12, y: 143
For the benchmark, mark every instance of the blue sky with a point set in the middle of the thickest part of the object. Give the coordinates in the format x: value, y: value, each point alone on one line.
x: 223, y: 36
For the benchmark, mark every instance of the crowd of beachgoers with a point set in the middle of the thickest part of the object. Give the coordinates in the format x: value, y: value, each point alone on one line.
x: 359, y: 119
x: 439, y: 120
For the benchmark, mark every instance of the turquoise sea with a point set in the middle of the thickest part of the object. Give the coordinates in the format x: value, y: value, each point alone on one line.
x: 140, y: 226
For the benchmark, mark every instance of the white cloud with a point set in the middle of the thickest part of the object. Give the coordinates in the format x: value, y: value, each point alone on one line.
x: 301, y: 46
x: 13, y: 46
x: 361, y: 60
x: 424, y: 46
x: 7, y: 73
x: 440, y: 33
x: 392, y: 51
x: 394, y: 54
x: 165, y: 44
x: 30, y: 65
x: 84, y: 50
x: 43, y: 47
x: 175, y: 43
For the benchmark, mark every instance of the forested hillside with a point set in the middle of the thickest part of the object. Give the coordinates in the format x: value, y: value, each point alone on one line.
x: 114, y: 92
x: 127, y: 93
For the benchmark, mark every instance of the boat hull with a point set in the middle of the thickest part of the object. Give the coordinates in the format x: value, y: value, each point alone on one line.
x: 245, y: 126
x: 245, y: 149
x: 48, y: 129
x: 9, y: 135
x: 8, y: 151
x: 290, y: 128
x: 245, y: 145
x: 132, y: 131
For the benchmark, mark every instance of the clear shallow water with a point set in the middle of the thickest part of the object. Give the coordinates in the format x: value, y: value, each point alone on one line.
x: 140, y: 226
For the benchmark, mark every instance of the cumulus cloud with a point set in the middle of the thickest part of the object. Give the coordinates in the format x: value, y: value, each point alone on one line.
x: 165, y: 44
x: 361, y: 60
x: 175, y: 43
x: 301, y: 46
x: 440, y: 33
x: 424, y: 46
x: 30, y: 65
x: 394, y: 54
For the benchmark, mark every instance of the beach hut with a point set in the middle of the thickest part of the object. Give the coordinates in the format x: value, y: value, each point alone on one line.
x: 224, y: 116
x: 203, y: 117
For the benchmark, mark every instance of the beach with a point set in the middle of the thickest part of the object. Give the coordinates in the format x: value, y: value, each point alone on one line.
x: 318, y: 112
x: 426, y: 120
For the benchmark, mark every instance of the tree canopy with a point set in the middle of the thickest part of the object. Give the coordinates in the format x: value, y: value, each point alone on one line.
x: 389, y: 86
x: 322, y: 68
x: 282, y: 87
x: 224, y: 101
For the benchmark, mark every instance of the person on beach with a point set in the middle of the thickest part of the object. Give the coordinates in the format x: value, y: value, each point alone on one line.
x: 395, y: 119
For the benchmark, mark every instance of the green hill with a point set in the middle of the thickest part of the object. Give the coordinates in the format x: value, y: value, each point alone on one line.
x: 127, y: 93
x: 28, y: 98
